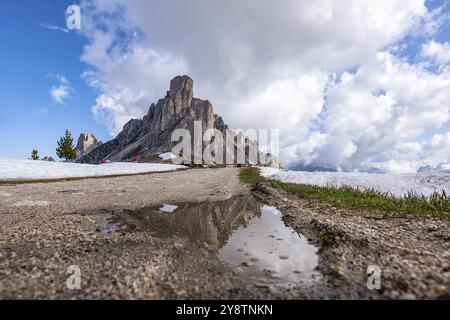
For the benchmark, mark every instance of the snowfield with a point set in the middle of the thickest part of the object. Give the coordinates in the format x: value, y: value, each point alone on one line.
x: 12, y: 169
x: 397, y: 184
x: 167, y: 156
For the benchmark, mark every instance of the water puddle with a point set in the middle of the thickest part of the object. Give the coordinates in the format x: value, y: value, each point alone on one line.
x: 107, y: 226
x: 242, y: 232
x: 267, y: 244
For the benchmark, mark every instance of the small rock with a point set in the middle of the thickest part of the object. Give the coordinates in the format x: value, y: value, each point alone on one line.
x: 262, y: 286
x: 407, y: 296
x: 394, y: 294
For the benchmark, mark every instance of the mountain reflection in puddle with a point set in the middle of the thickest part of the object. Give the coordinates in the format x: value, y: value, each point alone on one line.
x: 243, y: 232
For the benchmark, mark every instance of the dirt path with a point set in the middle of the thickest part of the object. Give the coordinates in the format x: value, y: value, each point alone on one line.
x: 127, y: 191
x: 45, y: 228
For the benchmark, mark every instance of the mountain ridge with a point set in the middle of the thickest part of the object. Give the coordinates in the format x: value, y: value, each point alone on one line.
x: 151, y: 135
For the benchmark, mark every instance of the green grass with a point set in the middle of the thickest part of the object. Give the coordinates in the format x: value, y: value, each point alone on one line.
x: 251, y: 176
x: 437, y: 205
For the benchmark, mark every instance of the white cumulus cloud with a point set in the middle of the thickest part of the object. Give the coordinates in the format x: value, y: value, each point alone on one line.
x: 375, y: 112
x: 62, y: 91
x: 440, y: 52
x: 321, y: 71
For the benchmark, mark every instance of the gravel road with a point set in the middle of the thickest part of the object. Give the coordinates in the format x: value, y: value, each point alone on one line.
x: 45, y: 228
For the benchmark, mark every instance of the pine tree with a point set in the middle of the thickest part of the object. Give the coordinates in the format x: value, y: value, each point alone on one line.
x: 35, y: 155
x: 66, y: 149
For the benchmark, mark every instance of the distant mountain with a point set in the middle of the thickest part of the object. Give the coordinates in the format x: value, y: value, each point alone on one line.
x: 317, y: 168
x: 151, y: 135
x: 440, y: 167
x: 310, y: 168
x: 86, y: 143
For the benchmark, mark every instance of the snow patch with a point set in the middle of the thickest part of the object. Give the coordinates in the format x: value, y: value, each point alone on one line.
x: 167, y: 156
x: 13, y: 169
x: 31, y: 203
x: 397, y: 184
x: 168, y: 208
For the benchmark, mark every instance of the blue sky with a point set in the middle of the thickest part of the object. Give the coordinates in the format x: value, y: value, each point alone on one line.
x: 30, y: 55
x: 264, y: 75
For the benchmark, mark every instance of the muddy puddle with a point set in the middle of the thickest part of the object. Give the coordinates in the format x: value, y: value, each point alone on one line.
x: 241, y: 231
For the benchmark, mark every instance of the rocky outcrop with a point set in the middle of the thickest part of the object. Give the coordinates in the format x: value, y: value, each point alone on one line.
x: 152, y: 135
x: 86, y: 143
x: 48, y: 158
x: 273, y: 162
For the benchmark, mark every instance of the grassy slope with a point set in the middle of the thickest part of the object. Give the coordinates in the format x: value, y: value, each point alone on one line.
x: 352, y: 198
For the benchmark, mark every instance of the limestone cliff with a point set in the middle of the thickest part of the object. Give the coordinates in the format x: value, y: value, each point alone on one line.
x: 152, y: 134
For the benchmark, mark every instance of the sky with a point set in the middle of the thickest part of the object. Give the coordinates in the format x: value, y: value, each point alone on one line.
x: 353, y: 85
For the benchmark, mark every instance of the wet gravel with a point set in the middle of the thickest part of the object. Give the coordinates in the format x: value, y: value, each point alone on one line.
x: 45, y: 228
x: 412, y: 252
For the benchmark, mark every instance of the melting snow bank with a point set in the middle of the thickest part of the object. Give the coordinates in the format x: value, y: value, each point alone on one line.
x: 167, y: 156
x: 12, y: 169
x: 397, y: 184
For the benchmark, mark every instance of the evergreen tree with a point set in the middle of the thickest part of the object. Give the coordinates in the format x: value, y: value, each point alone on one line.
x: 35, y: 155
x: 66, y: 149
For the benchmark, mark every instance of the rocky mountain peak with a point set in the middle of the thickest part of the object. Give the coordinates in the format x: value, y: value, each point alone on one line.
x: 152, y: 135
x: 181, y: 85
x: 180, y: 94
x: 86, y: 143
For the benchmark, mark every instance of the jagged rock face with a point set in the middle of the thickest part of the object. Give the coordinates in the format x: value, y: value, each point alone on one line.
x: 274, y: 162
x: 86, y: 143
x: 152, y: 135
